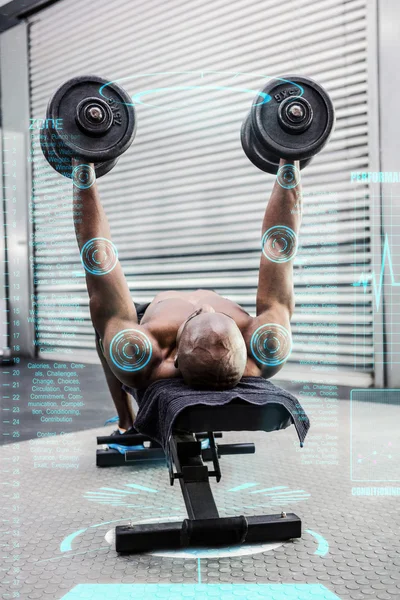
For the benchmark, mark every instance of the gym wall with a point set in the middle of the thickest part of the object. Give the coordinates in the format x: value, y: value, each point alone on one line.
x: 184, y: 203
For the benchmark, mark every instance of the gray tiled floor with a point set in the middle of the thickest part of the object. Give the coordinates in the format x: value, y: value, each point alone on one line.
x: 350, y: 543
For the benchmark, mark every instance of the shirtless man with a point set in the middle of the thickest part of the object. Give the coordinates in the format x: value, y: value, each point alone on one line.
x: 208, y: 340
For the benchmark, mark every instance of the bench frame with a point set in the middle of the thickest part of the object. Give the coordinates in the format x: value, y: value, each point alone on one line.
x: 204, y: 526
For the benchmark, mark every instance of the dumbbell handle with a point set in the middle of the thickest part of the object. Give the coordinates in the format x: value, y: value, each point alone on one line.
x: 236, y: 449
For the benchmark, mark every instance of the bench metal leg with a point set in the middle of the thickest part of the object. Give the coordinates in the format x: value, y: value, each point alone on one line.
x: 207, y: 532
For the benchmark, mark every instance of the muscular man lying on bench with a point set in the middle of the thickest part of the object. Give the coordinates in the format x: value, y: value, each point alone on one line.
x: 200, y: 336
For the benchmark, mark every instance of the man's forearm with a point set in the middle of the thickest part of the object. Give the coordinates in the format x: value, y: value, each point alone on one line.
x: 90, y: 220
x: 108, y: 291
x: 280, y: 229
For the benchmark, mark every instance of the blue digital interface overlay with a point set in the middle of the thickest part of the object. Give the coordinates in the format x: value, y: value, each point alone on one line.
x: 378, y: 282
x: 271, y: 344
x: 374, y: 453
x: 223, y: 591
x: 83, y: 176
x: 200, y: 82
x: 130, y: 350
x: 99, y: 256
x: 288, y: 177
x: 279, y: 244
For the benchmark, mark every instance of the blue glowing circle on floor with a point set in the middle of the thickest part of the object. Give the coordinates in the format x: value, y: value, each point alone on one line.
x: 288, y: 177
x: 271, y: 344
x: 201, y: 76
x: 99, y: 256
x: 130, y: 350
x: 83, y: 177
x: 279, y: 244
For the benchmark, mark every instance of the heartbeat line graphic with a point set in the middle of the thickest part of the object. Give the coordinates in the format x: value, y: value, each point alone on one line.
x: 377, y: 285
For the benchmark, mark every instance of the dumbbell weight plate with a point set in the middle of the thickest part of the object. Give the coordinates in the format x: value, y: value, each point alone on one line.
x: 95, y: 128
x: 284, y: 125
x: 61, y: 160
x: 257, y: 154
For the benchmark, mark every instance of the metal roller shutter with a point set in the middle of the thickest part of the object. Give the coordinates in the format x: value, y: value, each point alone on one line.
x: 184, y: 204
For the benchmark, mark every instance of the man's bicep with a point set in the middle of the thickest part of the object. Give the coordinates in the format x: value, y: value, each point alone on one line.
x: 131, y: 351
x: 268, y: 339
x: 110, y: 301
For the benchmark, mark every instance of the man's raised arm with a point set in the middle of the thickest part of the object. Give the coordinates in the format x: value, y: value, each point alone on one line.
x: 280, y: 229
x: 268, y: 337
x: 108, y: 290
x: 132, y: 352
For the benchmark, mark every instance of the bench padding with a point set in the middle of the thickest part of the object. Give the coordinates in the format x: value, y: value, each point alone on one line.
x: 254, y: 404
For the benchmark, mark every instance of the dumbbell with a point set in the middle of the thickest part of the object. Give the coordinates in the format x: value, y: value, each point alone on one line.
x: 93, y: 127
x: 292, y: 118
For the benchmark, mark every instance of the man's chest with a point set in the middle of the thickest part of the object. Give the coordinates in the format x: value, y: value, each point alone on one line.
x: 170, y: 309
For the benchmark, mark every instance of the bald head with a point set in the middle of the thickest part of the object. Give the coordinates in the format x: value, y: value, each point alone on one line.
x: 211, y: 352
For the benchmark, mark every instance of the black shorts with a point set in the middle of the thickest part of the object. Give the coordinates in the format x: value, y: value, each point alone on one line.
x: 141, y: 309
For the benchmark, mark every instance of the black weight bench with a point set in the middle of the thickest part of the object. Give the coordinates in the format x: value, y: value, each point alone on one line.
x: 185, y: 456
